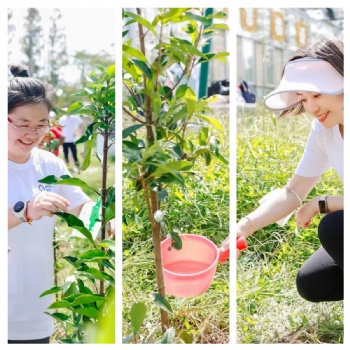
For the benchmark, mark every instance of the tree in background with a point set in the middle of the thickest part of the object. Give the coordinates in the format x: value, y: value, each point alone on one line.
x: 57, y: 49
x: 10, y: 31
x: 86, y: 61
x: 32, y: 41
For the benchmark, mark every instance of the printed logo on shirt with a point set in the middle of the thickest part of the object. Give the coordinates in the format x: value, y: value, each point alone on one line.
x: 43, y: 187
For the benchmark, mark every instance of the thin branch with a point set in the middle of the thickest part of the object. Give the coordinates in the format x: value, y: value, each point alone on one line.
x: 133, y: 117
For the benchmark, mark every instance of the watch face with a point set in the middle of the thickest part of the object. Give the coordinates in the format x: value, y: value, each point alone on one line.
x: 18, y: 207
x: 322, y: 206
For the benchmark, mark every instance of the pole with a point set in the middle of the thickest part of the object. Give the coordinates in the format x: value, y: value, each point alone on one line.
x: 204, y: 71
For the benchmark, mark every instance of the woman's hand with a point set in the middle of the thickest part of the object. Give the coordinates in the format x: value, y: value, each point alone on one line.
x: 244, y: 228
x: 306, y: 212
x: 46, y: 204
x: 225, y: 245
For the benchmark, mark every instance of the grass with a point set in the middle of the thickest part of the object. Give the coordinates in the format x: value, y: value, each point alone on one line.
x: 269, y: 309
x: 202, y: 207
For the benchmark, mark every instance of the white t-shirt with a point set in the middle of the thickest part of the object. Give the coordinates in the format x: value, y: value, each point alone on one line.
x: 30, y: 261
x: 70, y: 125
x: 324, y: 150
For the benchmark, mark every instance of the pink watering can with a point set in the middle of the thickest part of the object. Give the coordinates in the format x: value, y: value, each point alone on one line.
x: 190, y: 271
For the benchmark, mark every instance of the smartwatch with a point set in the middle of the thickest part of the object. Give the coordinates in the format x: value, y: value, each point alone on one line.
x: 322, y: 205
x: 19, y: 209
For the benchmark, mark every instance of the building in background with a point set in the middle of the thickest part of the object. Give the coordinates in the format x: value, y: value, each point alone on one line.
x: 267, y: 38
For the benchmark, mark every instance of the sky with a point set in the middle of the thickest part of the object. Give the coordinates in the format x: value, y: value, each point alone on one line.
x: 89, y: 29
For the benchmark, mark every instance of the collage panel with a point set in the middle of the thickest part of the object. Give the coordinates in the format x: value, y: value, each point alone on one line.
x: 289, y: 176
x: 175, y: 221
x: 61, y: 176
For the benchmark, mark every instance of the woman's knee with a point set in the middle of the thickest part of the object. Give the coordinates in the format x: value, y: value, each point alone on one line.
x: 304, y: 287
x: 331, y: 228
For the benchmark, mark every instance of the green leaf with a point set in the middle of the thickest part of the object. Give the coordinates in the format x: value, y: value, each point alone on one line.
x: 110, y: 212
x: 74, y: 107
x: 212, y: 121
x: 98, y: 274
x: 130, y: 68
x: 66, y: 180
x: 60, y: 304
x: 219, y: 15
x: 93, y: 255
x: 111, y: 70
x: 128, y: 131
x: 58, y: 315
x: 87, y: 299
x: 144, y: 68
x: 53, y: 290
x: 168, y: 337
x: 176, y: 241
x: 137, y: 315
x: 76, y: 223
x: 191, y: 99
x: 161, y: 302
x: 180, y: 91
x: 221, y: 26
x: 204, y: 20
x: 133, y: 52
x: 186, y: 337
x: 141, y: 20
x: 86, y: 154
x: 89, y: 132
x: 107, y: 243
x: 71, y: 259
x: 172, y: 168
x: 156, y: 104
x: 88, y: 312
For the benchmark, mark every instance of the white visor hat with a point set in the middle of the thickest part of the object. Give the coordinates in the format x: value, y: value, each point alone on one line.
x: 305, y: 74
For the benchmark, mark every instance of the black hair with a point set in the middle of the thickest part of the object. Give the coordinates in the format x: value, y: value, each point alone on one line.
x: 23, y: 90
x: 326, y: 49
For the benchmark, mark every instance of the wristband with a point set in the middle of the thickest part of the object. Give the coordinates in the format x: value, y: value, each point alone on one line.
x: 28, y: 219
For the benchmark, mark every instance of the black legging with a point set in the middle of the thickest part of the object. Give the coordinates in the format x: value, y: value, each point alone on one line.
x: 321, y: 277
x: 34, y: 341
x: 73, y: 148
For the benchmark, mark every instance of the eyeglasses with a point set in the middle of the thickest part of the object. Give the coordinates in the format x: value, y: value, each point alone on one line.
x: 42, y: 129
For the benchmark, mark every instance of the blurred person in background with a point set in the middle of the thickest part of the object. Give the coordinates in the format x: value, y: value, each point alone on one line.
x: 72, y: 127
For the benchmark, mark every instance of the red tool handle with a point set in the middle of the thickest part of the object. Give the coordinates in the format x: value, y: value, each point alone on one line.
x: 241, y: 243
x: 223, y: 256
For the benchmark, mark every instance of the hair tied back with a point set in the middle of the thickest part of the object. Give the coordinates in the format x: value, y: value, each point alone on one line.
x: 19, y: 71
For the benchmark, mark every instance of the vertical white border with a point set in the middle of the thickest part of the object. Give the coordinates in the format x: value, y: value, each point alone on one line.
x: 118, y: 5
x: 233, y: 23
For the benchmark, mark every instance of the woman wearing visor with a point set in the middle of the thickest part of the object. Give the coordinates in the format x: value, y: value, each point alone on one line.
x: 312, y: 82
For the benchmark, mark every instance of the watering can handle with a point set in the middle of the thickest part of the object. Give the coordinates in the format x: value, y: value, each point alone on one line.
x: 223, y: 256
x: 241, y: 244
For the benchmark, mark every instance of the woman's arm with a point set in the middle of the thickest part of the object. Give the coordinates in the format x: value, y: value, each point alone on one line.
x: 281, y: 204
x: 310, y: 209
